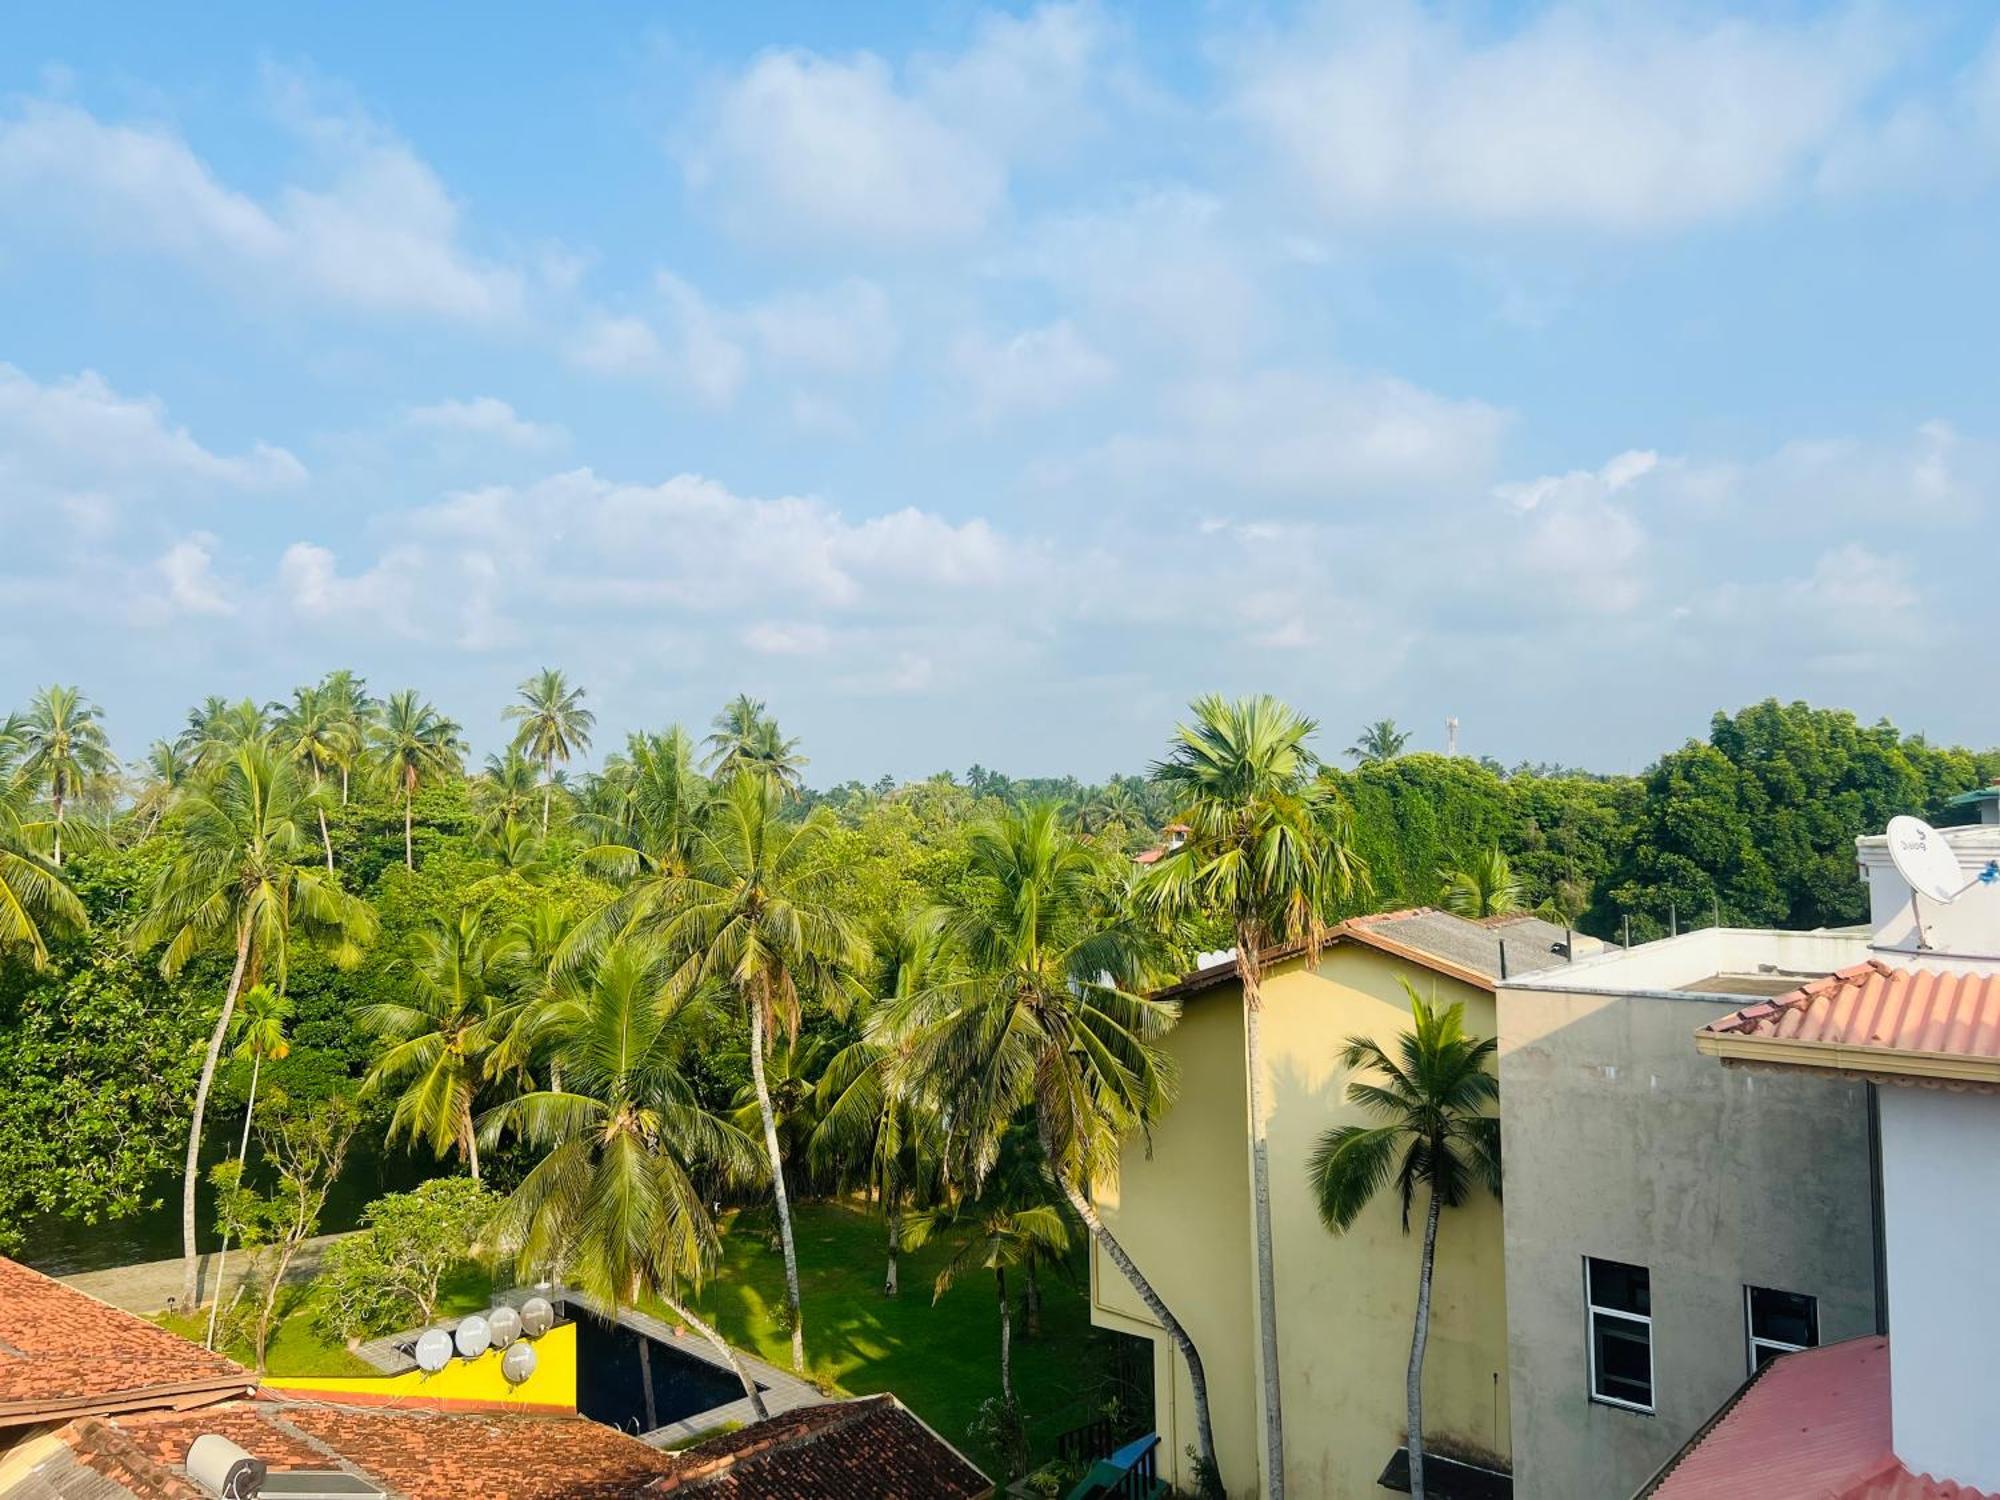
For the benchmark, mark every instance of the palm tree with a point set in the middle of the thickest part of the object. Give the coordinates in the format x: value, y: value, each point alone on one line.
x: 1485, y: 887
x: 163, y: 778
x: 1378, y: 742
x: 647, y: 823
x: 217, y: 729
x: 1437, y: 1134
x: 755, y: 911
x: 554, y: 726
x: 869, y: 1133
x: 260, y: 1031
x: 746, y: 738
x: 792, y: 1075
x: 34, y: 893
x: 617, y: 1201
x: 1045, y: 1017
x: 412, y: 741
x: 440, y: 1034
x: 64, y: 751
x: 347, y: 697
x: 235, y: 879
x: 505, y: 790
x: 1266, y: 853
x: 1013, y: 1225
x: 313, y: 733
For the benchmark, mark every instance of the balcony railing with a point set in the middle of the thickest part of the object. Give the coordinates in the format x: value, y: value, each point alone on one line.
x: 1130, y: 1473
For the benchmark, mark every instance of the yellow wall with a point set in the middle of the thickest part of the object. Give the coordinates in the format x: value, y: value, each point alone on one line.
x: 551, y: 1388
x: 1345, y: 1303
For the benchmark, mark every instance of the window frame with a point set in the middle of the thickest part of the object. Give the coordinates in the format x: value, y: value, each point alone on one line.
x: 1752, y: 1342
x: 1592, y: 1311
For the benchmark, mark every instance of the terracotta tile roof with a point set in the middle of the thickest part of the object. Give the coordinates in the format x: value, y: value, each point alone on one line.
x: 1810, y: 1426
x: 1872, y: 1017
x: 64, y: 1354
x: 1382, y: 930
x: 871, y: 1449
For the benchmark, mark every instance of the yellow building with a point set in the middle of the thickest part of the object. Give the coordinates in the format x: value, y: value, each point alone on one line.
x: 1345, y: 1303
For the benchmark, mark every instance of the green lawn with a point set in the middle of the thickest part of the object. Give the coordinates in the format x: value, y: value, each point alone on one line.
x: 942, y: 1360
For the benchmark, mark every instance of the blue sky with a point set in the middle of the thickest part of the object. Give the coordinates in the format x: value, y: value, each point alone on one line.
x: 980, y: 384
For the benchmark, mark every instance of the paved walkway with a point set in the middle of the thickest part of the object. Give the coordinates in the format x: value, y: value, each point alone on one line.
x: 149, y: 1286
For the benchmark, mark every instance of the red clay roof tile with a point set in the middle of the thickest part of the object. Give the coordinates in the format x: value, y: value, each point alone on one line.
x: 1872, y: 1005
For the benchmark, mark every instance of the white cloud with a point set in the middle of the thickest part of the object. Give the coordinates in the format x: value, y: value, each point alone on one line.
x: 845, y: 148
x: 773, y: 638
x: 840, y: 330
x: 1039, y: 369
x: 485, y: 418
x: 1626, y: 118
x: 379, y: 233
x: 612, y: 345
x: 78, y: 437
x: 188, y: 569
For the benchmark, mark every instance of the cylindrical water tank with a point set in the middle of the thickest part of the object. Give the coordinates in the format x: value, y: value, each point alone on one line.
x: 473, y: 1337
x: 224, y: 1469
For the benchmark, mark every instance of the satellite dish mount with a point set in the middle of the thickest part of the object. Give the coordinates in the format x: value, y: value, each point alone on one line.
x: 1930, y: 867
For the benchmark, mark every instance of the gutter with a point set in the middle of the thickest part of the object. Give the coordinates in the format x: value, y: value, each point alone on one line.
x: 1847, y: 1057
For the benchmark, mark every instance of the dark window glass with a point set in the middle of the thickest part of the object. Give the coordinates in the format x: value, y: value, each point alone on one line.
x: 1621, y: 1288
x: 1784, y: 1317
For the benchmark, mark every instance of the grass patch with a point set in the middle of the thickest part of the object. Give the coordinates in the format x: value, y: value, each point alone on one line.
x: 941, y: 1361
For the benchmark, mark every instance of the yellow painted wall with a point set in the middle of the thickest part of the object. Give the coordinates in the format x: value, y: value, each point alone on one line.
x: 551, y: 1388
x: 1345, y: 1303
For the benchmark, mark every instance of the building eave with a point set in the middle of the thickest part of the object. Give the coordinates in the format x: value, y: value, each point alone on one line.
x: 1843, y: 1057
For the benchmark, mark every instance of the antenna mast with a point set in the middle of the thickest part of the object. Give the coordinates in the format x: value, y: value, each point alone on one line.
x: 1451, y: 734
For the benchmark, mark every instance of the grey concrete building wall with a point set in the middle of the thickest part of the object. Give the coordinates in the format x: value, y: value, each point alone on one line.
x: 1623, y: 1142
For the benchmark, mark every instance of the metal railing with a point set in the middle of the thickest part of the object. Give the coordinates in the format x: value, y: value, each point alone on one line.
x: 1130, y: 1473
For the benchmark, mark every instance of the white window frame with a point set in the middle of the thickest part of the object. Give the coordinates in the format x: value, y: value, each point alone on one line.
x: 1752, y: 1343
x: 1592, y: 1312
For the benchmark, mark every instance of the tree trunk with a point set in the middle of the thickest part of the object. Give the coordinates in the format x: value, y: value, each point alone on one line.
x: 1197, y: 1377
x: 547, y: 790
x: 890, y: 1284
x: 409, y: 855
x: 325, y: 839
x: 1421, y: 1336
x: 721, y: 1347
x: 471, y: 1145
x: 242, y: 1155
x: 1248, y: 969
x: 190, y: 1259
x: 343, y: 786
x: 1006, y: 1338
x: 646, y: 1381
x: 777, y: 1185
x: 56, y: 796
x: 1032, y: 1303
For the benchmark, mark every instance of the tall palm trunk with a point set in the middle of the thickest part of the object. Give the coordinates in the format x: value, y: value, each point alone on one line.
x: 548, y: 789
x: 721, y: 1347
x: 1249, y: 971
x: 471, y: 1139
x: 778, y: 1185
x: 894, y: 1214
x: 1031, y: 1302
x: 409, y: 853
x: 190, y: 1259
x: 1415, y: 1386
x: 242, y: 1155
x: 1006, y: 1337
x: 56, y: 797
x: 326, y: 839
x: 1197, y: 1377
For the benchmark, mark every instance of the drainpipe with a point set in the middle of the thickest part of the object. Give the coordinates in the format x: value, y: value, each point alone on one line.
x: 1881, y: 1256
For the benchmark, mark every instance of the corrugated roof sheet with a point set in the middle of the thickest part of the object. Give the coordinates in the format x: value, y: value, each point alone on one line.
x: 1811, y: 1426
x: 1875, y: 1006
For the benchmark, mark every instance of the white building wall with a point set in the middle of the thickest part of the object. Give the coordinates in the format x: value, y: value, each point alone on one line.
x: 1962, y: 935
x: 1941, y: 1204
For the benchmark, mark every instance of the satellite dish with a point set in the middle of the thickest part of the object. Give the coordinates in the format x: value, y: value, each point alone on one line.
x: 503, y: 1325
x: 433, y: 1350
x: 537, y: 1317
x: 473, y: 1337
x: 1925, y: 860
x: 518, y: 1363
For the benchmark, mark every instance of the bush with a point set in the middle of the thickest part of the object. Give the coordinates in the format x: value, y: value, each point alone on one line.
x: 388, y: 1276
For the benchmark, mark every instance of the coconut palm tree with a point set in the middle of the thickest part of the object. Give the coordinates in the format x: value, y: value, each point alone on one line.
x: 506, y: 790
x: 1438, y: 1135
x: 647, y: 814
x: 259, y: 1028
x: 163, y: 777
x: 413, y: 742
x: 313, y: 732
x: 35, y: 896
x: 63, y: 751
x: 1378, y: 742
x: 746, y: 738
x: 1486, y: 886
x: 619, y: 1199
x: 869, y: 1133
x: 347, y: 696
x: 554, y: 726
x: 755, y: 912
x: 235, y: 880
x: 1266, y: 853
x: 792, y: 1074
x: 1045, y: 1016
x: 439, y: 1035
x: 217, y: 729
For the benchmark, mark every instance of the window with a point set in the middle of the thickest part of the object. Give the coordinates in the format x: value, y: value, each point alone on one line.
x: 1779, y: 1323
x: 1620, y: 1298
